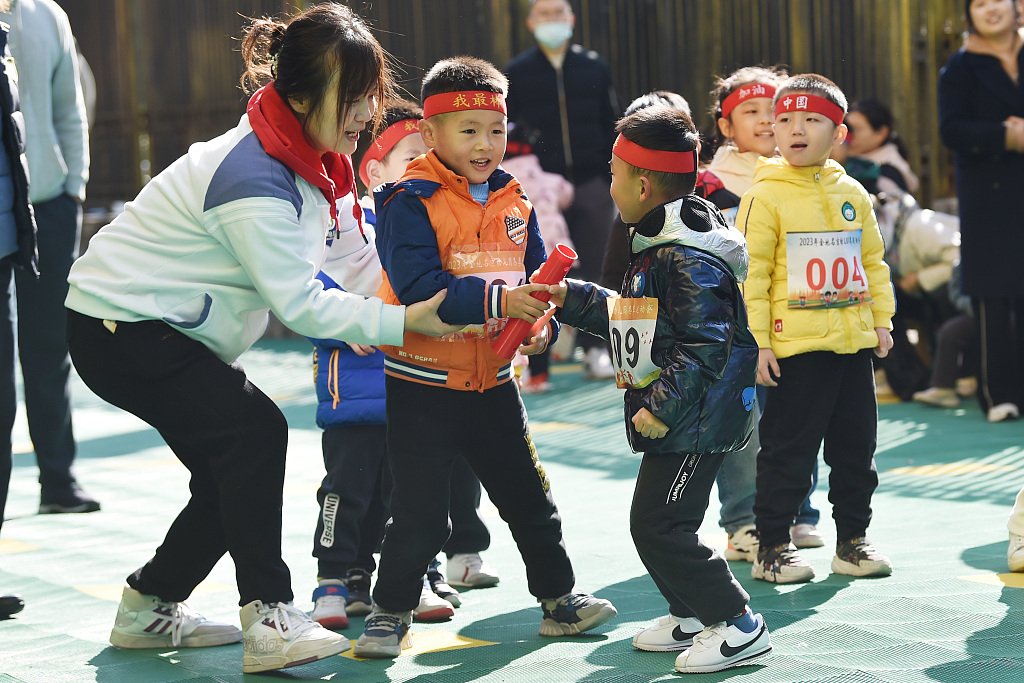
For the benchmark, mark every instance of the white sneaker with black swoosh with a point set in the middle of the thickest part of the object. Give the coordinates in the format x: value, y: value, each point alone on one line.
x: 722, y: 646
x: 667, y: 634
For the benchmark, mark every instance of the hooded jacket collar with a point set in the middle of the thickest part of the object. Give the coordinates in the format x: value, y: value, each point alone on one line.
x: 693, y: 222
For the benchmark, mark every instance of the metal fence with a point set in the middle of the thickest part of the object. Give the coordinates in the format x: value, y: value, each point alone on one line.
x: 167, y: 72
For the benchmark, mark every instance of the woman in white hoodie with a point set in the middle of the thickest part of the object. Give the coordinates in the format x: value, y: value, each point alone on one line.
x: 171, y: 293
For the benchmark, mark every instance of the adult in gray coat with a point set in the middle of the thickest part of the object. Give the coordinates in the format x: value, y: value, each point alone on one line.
x: 17, y: 248
x: 57, y: 146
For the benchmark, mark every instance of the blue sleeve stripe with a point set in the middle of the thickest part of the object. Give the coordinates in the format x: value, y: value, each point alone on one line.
x: 247, y: 172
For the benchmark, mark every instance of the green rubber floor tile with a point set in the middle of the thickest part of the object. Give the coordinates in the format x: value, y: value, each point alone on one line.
x: 947, y: 481
x: 831, y: 638
x: 910, y: 655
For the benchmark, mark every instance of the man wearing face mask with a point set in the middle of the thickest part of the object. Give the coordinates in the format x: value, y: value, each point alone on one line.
x: 565, y: 91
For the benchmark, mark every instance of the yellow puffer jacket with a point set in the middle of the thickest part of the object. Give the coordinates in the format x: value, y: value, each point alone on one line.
x: 786, y: 199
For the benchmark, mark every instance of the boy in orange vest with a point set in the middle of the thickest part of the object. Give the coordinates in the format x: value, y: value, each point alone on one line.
x: 457, y: 222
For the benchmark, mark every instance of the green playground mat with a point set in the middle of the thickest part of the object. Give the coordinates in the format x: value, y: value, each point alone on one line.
x: 948, y: 613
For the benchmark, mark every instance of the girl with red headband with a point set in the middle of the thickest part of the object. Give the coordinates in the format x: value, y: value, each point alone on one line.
x: 743, y: 120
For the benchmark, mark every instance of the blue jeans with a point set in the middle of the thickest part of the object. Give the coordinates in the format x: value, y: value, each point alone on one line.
x: 737, y: 482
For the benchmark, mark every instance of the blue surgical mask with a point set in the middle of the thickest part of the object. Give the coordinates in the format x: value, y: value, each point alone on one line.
x: 553, y: 34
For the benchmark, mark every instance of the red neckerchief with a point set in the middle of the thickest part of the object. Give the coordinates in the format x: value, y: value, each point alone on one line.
x: 281, y: 134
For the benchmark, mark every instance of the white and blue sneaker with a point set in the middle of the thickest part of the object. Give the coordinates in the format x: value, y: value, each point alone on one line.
x: 329, y: 602
x: 385, y: 634
x: 721, y: 646
x: 668, y: 634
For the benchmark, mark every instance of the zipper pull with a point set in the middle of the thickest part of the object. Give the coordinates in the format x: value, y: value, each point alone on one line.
x: 817, y: 176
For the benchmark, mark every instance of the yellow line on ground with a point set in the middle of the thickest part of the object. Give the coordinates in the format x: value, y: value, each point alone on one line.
x: 9, y: 546
x: 1011, y: 580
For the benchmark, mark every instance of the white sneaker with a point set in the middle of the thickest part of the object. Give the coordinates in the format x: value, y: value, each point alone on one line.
x: 432, y: 606
x: 1015, y: 553
x: 721, y: 646
x: 806, y: 536
x: 385, y: 634
x: 1003, y: 411
x: 277, y: 635
x: 330, y: 600
x: 469, y: 570
x: 145, y: 621
x: 742, y: 545
x: 597, y: 364
x: 668, y: 633
x: 938, y: 396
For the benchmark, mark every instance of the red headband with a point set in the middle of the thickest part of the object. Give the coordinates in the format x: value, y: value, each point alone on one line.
x: 384, y: 143
x: 466, y: 100
x: 654, y: 159
x: 812, y: 103
x: 745, y: 93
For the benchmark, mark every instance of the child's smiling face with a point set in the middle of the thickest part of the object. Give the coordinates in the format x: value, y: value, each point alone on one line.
x: 470, y: 143
x: 749, y: 126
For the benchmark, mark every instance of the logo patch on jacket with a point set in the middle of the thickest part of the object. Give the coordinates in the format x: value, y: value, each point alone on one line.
x: 849, y: 213
x: 516, y: 228
x: 636, y: 284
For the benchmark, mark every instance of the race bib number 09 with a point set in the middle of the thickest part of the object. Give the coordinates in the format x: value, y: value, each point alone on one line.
x: 825, y: 270
x: 631, y: 324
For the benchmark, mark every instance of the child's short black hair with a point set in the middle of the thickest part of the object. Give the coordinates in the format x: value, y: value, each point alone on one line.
x: 667, y: 129
x: 666, y: 97
x: 813, y: 84
x: 463, y: 73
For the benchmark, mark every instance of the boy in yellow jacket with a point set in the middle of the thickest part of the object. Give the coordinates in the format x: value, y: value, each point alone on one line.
x: 820, y: 298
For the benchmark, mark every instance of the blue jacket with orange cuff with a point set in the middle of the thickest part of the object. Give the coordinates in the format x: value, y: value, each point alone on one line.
x: 432, y: 235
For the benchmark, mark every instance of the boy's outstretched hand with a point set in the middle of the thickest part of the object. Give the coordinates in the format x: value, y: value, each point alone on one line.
x: 767, y: 368
x: 648, y: 425
x: 422, y: 317
x: 884, y: 342
x: 519, y: 303
x: 557, y: 291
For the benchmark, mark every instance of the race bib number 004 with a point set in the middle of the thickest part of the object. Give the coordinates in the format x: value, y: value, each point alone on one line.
x: 631, y: 325
x: 824, y: 270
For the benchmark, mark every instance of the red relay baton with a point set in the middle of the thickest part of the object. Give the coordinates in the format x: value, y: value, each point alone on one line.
x: 551, y: 273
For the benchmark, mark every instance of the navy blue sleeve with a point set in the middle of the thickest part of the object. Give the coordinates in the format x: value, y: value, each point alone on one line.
x: 409, y: 254
x: 533, y: 259
x: 535, y: 254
